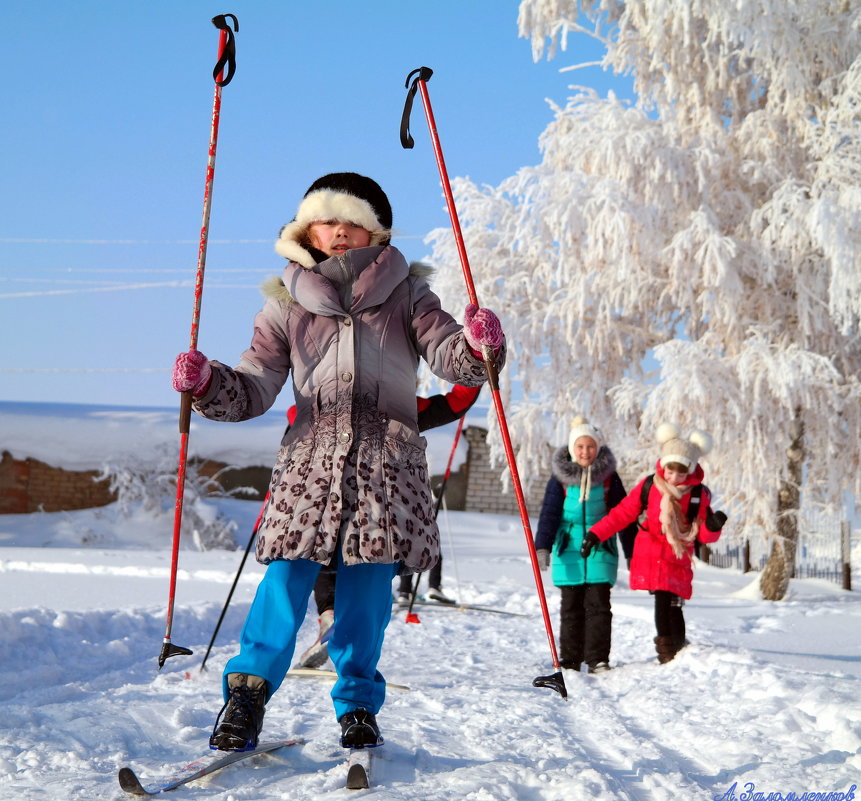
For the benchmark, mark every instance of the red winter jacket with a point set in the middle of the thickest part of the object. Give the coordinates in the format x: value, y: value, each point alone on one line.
x: 654, y: 566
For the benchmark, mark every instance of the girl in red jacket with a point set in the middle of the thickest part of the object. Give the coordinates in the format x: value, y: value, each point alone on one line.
x: 676, y: 503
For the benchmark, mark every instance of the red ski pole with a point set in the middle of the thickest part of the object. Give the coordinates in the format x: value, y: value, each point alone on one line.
x: 226, y: 60
x: 423, y: 74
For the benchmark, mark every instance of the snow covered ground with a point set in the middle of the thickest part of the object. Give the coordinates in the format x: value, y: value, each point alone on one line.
x: 764, y: 700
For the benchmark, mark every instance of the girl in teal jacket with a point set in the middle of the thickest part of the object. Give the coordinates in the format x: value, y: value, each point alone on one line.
x: 584, y: 486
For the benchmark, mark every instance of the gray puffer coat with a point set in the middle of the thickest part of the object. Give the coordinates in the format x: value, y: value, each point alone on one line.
x: 352, y: 466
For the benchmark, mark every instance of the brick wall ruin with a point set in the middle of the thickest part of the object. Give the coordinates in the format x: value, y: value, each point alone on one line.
x: 484, y: 492
x: 28, y: 485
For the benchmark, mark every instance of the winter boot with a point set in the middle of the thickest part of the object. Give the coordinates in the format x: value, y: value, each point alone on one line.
x: 318, y: 653
x: 436, y: 594
x: 238, y: 725
x: 359, y: 730
x: 666, y: 648
x: 599, y: 667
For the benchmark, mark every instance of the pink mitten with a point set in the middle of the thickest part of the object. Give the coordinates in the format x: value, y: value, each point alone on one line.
x: 481, y: 327
x: 191, y: 371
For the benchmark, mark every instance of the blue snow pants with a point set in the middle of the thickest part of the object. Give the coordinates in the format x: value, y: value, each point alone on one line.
x: 363, y: 608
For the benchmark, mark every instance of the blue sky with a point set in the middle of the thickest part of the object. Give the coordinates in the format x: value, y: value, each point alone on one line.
x: 104, y: 138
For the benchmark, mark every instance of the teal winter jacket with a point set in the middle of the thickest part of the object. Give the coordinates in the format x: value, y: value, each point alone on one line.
x: 565, y: 518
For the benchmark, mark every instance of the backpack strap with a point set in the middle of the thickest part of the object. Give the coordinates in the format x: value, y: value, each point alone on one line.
x: 645, y: 490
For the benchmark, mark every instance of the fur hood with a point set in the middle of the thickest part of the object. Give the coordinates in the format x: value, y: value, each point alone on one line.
x: 569, y: 473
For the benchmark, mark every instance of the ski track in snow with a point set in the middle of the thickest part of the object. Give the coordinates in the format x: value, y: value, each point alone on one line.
x: 81, y: 696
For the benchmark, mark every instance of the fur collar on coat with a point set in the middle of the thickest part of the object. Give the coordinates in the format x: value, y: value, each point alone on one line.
x: 275, y: 288
x: 569, y: 473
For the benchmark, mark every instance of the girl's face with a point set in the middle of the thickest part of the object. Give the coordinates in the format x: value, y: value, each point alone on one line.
x: 585, y: 451
x: 675, y: 477
x: 334, y: 237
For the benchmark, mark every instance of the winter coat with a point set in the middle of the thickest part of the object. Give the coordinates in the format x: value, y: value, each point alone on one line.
x: 352, y: 467
x: 654, y: 565
x: 565, y: 519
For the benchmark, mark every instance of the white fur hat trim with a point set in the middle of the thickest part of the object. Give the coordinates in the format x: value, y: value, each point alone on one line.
x: 325, y: 204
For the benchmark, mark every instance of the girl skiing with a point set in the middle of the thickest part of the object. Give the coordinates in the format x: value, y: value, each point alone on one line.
x: 676, y: 503
x: 349, y: 319
x: 584, y: 486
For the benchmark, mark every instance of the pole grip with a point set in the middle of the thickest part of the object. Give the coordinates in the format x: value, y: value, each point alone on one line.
x: 490, y: 366
x: 185, y: 412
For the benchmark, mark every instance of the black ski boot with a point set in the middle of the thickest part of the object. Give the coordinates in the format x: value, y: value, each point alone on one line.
x: 359, y: 730
x: 238, y: 725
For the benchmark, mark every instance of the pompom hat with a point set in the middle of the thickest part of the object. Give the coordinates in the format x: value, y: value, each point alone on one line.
x: 345, y: 196
x: 581, y: 427
x: 676, y: 449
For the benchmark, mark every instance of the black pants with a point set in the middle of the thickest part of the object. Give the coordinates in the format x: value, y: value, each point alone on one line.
x: 324, y: 590
x: 669, y: 618
x: 585, y: 626
x: 324, y: 587
x: 434, y: 579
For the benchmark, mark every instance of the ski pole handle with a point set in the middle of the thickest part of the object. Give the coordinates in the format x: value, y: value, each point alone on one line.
x: 226, y: 48
x: 185, y: 401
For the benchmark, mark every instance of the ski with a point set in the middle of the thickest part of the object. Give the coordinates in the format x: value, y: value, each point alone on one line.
x: 463, y: 607
x: 359, y: 769
x: 195, y: 770
x: 320, y: 673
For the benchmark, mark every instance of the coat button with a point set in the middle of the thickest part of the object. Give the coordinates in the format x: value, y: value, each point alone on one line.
x: 347, y: 321
x: 333, y: 496
x: 345, y: 376
x: 344, y: 436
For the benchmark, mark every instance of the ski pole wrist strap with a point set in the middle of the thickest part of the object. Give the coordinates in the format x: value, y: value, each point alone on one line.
x: 424, y: 74
x: 228, y: 54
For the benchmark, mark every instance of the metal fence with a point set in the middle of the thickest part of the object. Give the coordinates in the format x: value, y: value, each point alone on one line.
x: 823, y: 550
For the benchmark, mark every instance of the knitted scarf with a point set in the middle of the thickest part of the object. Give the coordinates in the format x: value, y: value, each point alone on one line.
x: 674, y: 523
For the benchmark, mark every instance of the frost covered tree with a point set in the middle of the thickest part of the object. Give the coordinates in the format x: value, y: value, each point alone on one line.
x: 710, y: 228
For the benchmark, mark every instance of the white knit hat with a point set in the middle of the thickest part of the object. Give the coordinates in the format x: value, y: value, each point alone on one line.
x: 677, y: 449
x: 581, y: 427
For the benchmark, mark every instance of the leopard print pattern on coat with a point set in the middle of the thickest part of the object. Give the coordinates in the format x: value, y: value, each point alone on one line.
x: 374, y: 496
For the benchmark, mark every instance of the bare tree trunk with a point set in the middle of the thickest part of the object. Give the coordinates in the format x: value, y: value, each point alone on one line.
x: 780, y: 567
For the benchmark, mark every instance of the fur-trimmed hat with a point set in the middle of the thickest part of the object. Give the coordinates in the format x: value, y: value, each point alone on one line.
x: 581, y: 427
x: 345, y: 196
x: 677, y: 449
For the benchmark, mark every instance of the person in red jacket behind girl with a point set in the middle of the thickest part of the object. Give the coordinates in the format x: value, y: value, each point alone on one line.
x: 677, y: 514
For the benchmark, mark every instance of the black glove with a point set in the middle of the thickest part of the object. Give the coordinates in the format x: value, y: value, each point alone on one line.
x: 715, y: 520
x: 590, y: 541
